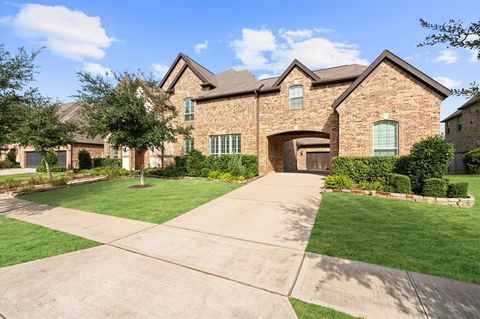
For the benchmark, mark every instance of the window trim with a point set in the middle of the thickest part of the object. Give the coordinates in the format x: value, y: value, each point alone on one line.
x: 190, y: 141
x: 397, y: 148
x: 234, y: 144
x: 290, y: 97
x: 192, y: 110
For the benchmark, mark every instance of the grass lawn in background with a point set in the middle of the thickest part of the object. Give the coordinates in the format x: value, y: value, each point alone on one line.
x: 166, y: 199
x: 21, y: 242
x: 16, y: 177
x: 426, y: 238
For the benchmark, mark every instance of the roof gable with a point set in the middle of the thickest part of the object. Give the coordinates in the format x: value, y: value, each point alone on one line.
x: 387, y: 55
x: 295, y: 64
x: 206, y: 76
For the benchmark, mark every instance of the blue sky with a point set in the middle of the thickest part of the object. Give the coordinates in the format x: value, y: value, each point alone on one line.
x: 262, y: 36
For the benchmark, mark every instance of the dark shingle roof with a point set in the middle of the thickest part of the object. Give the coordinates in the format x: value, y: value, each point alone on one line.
x: 459, y: 111
x: 71, y: 112
x: 231, y: 82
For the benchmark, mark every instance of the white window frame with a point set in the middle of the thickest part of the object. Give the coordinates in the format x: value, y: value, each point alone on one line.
x: 225, y: 144
x: 188, y: 145
x: 396, y: 148
x: 188, y: 110
x: 295, y: 93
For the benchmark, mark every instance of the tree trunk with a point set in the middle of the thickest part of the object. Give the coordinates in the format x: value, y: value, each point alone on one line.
x: 163, y: 154
x: 141, y: 155
x: 48, y: 169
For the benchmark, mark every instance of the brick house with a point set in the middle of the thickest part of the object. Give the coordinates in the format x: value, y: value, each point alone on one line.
x: 67, y: 155
x: 462, y: 129
x: 302, y: 118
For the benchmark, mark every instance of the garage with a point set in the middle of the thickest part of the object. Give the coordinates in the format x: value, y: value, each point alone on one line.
x: 33, y: 159
x: 318, y: 160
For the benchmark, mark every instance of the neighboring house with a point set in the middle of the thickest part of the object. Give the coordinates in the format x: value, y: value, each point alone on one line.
x: 462, y: 129
x: 382, y: 109
x: 67, y: 155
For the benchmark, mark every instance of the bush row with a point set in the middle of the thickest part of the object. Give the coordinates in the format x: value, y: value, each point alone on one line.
x: 472, y: 161
x: 397, y: 183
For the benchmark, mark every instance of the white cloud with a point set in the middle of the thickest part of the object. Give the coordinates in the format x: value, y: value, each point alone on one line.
x: 447, y: 56
x: 473, y: 57
x: 68, y: 33
x: 448, y: 82
x: 199, y: 47
x: 159, y: 69
x: 96, y: 68
x: 262, y: 50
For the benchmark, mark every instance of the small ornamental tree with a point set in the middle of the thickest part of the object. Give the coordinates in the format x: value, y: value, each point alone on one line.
x: 43, y: 129
x: 127, y: 110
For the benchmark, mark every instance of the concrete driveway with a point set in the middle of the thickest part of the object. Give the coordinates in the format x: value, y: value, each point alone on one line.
x: 237, y: 256
x: 14, y: 171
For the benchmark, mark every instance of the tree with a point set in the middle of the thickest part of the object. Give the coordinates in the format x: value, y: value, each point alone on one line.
x: 455, y: 34
x: 16, y: 72
x: 43, y: 129
x: 127, y: 110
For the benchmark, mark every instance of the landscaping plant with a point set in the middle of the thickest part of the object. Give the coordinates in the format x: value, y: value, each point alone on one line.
x: 457, y: 190
x: 364, y: 168
x: 435, y: 187
x: 398, y: 183
x: 471, y: 161
x: 84, y: 159
x: 338, y: 182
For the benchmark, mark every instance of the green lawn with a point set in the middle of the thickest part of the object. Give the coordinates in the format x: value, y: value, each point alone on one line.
x: 17, y: 177
x: 21, y: 242
x: 426, y: 238
x: 306, y: 310
x: 166, y: 199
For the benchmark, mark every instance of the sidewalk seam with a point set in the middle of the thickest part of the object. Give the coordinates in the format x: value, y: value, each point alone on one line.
x: 296, y: 275
x: 416, y: 293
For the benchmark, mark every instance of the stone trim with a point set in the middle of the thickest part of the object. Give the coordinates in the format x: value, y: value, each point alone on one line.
x: 453, y: 202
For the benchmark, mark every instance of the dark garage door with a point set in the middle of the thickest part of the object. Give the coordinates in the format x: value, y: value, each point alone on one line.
x: 318, y: 160
x: 33, y: 159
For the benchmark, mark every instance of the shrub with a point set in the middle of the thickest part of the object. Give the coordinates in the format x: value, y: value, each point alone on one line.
x: 180, y: 166
x: 53, y: 169
x: 401, y: 165
x: 338, y: 182
x: 59, y: 181
x: 204, y: 172
x: 457, y: 190
x: 154, y: 171
x: 435, y: 187
x: 214, y: 174
x: 376, y: 185
x: 12, y: 155
x: 194, y: 162
x: 5, y: 164
x: 399, y: 183
x: 364, y: 168
x: 84, y: 159
x: 107, y: 162
x: 472, y: 161
x: 429, y: 158
x: 11, y: 183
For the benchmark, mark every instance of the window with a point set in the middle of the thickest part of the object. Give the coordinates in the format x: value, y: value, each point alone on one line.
x: 189, y: 109
x: 188, y: 145
x: 459, y: 123
x: 385, y: 138
x: 296, y: 97
x: 225, y: 144
x: 448, y: 127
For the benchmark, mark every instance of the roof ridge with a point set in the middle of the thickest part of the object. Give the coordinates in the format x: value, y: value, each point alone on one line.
x: 192, y: 60
x: 339, y: 66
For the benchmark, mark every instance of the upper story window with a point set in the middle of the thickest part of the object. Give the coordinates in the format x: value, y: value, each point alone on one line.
x: 188, y: 145
x: 385, y: 138
x: 448, y: 127
x: 225, y: 144
x: 189, y: 109
x: 459, y: 123
x: 296, y: 97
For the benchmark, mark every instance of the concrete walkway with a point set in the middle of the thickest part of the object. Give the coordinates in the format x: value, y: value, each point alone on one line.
x: 14, y: 171
x: 239, y: 256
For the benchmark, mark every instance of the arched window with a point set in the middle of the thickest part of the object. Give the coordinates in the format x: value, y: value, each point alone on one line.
x: 189, y: 109
x: 385, y: 138
x: 296, y: 97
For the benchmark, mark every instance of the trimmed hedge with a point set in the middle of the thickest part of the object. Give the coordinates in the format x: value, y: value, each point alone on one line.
x: 398, y: 183
x: 84, y: 159
x: 457, y: 190
x: 53, y: 169
x: 338, y: 182
x: 194, y: 163
x: 365, y: 168
x: 435, y: 187
x: 107, y: 162
x: 471, y: 160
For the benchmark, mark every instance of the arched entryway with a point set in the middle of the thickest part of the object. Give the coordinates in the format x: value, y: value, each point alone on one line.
x: 299, y: 150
